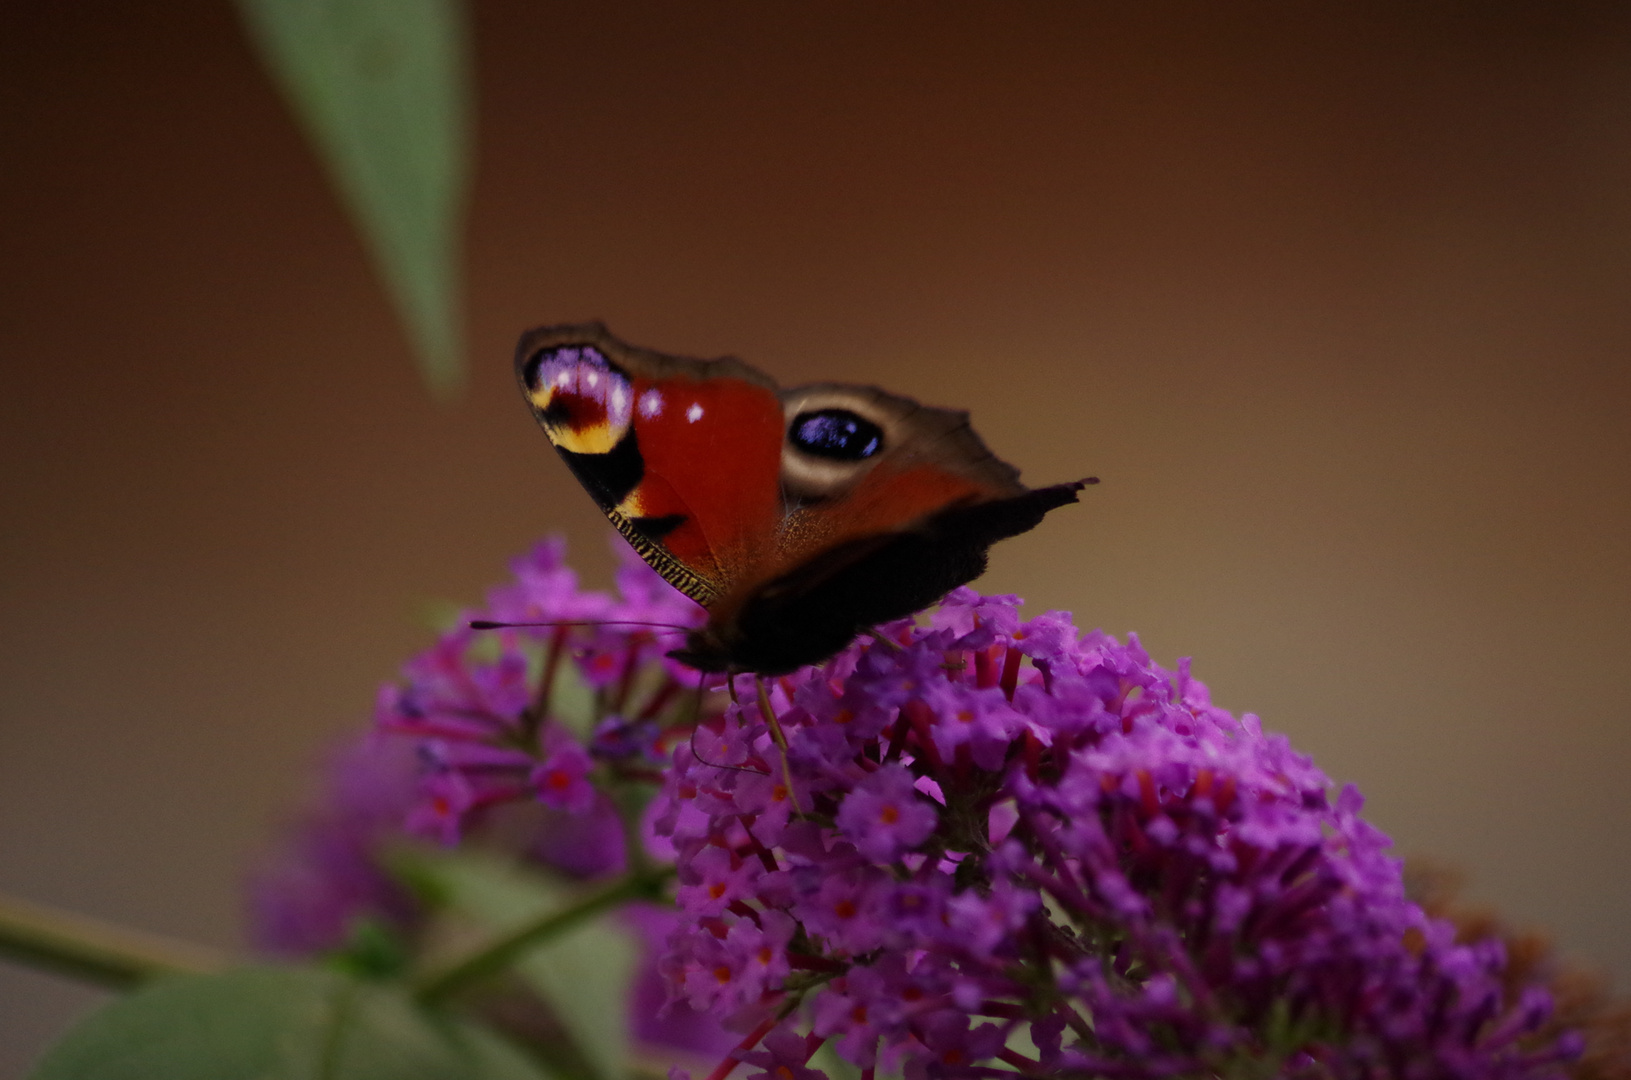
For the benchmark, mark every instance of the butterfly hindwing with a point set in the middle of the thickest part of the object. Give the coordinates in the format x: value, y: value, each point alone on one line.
x: 890, y: 505
x: 860, y: 462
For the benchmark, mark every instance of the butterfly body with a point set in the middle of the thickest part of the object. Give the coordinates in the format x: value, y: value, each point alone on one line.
x: 798, y: 518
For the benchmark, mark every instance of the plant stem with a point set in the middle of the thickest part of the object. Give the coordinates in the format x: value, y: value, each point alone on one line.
x: 441, y: 983
x: 94, y: 951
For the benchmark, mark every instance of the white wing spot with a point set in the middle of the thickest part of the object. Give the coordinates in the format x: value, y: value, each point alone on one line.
x: 694, y: 413
x: 592, y: 378
x: 563, y: 378
x: 651, y: 403
x: 619, y: 398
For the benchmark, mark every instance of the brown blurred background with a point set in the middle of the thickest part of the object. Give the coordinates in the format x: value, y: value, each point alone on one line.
x: 1335, y: 298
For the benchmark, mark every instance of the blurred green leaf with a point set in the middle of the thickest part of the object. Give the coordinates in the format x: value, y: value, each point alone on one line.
x: 277, y: 1024
x: 827, y: 1060
x: 373, y: 949
x: 584, y: 974
x: 573, y: 701
x: 383, y: 89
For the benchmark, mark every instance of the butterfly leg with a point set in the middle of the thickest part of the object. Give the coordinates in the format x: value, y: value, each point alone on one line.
x: 779, y: 739
x: 888, y: 643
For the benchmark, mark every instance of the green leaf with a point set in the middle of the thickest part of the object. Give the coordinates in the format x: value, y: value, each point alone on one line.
x: 382, y: 87
x: 573, y: 701
x: 584, y: 974
x: 827, y: 1060
x: 277, y: 1024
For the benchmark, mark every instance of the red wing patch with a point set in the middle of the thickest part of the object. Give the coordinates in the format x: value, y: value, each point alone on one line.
x: 712, y: 453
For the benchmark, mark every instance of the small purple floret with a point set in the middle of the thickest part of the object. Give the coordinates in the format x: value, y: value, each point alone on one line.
x: 884, y: 815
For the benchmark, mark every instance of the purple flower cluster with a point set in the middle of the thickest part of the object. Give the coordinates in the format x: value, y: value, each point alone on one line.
x: 329, y: 881
x: 474, y: 724
x: 966, y: 846
x: 481, y: 703
x: 981, y: 845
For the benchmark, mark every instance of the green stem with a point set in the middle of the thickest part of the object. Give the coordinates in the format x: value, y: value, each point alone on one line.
x: 441, y: 983
x: 92, y: 950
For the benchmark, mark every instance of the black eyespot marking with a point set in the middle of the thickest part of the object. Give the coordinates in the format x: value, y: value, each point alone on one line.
x: 836, y: 433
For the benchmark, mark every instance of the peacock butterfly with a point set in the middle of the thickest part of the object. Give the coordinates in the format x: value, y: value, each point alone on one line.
x: 798, y: 518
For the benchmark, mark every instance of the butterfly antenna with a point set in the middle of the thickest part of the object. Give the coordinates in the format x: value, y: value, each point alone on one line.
x: 719, y: 764
x: 491, y: 624
x: 779, y: 739
x: 696, y: 722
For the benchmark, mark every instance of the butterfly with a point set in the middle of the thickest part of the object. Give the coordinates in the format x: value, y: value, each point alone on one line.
x: 797, y: 518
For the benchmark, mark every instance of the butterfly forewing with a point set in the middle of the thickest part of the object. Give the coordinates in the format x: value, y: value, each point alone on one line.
x: 682, y: 456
